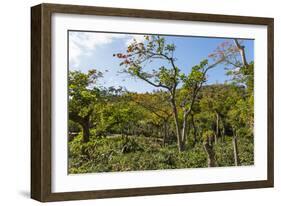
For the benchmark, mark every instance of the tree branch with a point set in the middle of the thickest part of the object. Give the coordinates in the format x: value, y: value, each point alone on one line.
x: 197, y: 88
x: 152, y: 83
x: 242, y: 52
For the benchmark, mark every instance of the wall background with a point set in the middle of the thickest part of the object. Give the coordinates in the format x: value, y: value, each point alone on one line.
x: 15, y: 102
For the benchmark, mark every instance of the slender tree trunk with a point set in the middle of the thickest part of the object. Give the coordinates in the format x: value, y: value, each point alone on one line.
x: 235, y: 150
x: 194, y: 129
x: 176, y: 120
x: 165, y: 133
x: 217, y: 128
x: 223, y: 131
x: 184, y: 126
x: 210, y: 154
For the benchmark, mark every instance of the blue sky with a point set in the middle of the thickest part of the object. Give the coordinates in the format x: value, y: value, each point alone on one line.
x: 94, y: 50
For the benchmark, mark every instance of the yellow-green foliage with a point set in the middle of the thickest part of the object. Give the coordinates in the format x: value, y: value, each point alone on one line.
x: 125, y: 130
x: 111, y: 154
x: 209, y: 134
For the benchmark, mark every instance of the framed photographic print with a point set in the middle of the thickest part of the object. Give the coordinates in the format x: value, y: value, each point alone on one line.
x: 132, y: 102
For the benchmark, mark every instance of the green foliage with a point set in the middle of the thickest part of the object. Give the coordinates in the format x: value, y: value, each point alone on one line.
x: 209, y: 134
x: 142, y: 131
x: 82, y: 91
x: 224, y: 152
x: 108, y: 154
x: 244, y: 75
x: 195, y: 77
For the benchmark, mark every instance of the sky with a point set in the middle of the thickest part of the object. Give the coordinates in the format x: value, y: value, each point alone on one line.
x: 94, y: 50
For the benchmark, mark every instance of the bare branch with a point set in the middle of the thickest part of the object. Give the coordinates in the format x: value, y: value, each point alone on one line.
x: 152, y: 83
x: 242, y: 52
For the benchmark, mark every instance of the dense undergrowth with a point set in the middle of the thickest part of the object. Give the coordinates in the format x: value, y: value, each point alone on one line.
x: 111, y: 154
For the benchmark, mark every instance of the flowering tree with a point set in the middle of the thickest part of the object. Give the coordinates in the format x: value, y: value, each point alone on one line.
x: 167, y: 78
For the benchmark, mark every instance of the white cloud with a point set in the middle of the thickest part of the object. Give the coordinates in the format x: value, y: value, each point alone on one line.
x: 137, y: 37
x: 83, y: 43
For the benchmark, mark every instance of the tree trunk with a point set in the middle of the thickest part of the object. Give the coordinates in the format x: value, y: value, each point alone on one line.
x: 165, y: 133
x: 85, y: 124
x: 210, y: 154
x: 223, y: 131
x: 194, y: 129
x: 235, y: 150
x: 217, y: 128
x: 184, y: 126
x: 176, y: 120
x: 242, y: 52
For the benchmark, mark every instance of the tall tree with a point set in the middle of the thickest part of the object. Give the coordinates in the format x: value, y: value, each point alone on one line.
x: 167, y: 77
x: 83, y: 94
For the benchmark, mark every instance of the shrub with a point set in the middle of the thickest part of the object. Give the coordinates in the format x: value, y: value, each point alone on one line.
x: 118, y: 153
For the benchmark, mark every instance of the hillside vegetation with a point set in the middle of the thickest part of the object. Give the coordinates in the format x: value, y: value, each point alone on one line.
x: 183, y: 123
